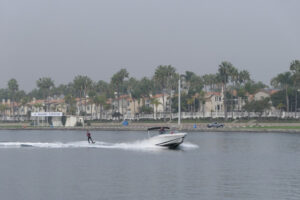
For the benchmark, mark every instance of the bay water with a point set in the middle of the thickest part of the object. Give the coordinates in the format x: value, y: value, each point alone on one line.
x: 57, y: 164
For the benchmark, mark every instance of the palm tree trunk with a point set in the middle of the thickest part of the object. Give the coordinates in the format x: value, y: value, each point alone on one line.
x: 164, y: 106
x: 287, y: 99
x: 85, y: 102
x: 232, y: 108
x: 13, y: 109
x: 80, y: 97
x: 194, y: 105
x: 122, y: 106
x: 101, y: 112
x: 18, y: 113
x: 296, y: 103
x: 156, y: 111
x: 118, y: 102
x: 153, y: 111
x: 225, y: 101
x: 97, y: 111
x: 170, y: 102
x: 4, y: 115
x: 133, y: 109
x: 91, y: 111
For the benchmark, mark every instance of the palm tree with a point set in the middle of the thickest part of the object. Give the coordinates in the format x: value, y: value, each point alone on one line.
x: 225, y: 71
x: 45, y: 84
x: 280, y: 107
x: 104, y: 88
x: 165, y: 77
x: 82, y: 84
x: 295, y: 68
x: 193, y: 83
x: 117, y: 82
x: 13, y: 88
x: 210, y: 81
x: 146, y: 87
x: 19, y: 95
x: 135, y: 89
x: 70, y: 101
x: 234, y: 77
x: 24, y: 101
x: 3, y: 108
x: 243, y: 76
x: 155, y: 102
x: 201, y: 97
x: 38, y: 106
x: 190, y: 102
x: 283, y: 81
x: 99, y: 100
x: 206, y: 81
x: 92, y: 95
x: 78, y: 84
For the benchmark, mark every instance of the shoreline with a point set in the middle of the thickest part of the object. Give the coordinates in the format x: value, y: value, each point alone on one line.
x: 286, y: 128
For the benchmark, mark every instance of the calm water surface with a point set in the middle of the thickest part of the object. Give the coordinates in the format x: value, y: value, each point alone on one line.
x: 61, y: 165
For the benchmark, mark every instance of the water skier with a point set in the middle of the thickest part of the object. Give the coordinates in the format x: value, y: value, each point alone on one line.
x: 88, y: 134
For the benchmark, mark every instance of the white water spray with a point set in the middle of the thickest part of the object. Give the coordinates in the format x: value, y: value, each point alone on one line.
x: 137, y: 145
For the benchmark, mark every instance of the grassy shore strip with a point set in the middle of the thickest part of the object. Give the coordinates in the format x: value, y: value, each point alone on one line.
x: 187, y: 127
x: 275, y: 127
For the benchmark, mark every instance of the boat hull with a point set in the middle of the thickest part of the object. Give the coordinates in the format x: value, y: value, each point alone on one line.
x: 169, y: 140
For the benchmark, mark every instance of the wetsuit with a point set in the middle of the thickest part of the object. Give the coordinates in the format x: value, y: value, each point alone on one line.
x: 89, y: 137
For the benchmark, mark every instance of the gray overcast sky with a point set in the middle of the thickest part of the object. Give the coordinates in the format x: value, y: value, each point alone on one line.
x: 64, y: 38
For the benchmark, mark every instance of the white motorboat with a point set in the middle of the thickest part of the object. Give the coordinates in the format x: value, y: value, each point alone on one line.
x: 168, y: 139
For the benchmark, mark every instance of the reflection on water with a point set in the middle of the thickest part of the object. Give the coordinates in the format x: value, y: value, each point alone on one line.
x: 122, y: 165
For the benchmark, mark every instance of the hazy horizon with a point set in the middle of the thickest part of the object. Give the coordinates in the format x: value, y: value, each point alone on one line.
x: 62, y: 39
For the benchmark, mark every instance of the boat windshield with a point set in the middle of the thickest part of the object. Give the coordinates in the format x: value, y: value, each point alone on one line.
x: 158, y: 128
x: 161, y: 130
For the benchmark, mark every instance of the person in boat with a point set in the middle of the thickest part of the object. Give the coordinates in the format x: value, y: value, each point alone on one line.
x: 89, y: 137
x: 162, y: 130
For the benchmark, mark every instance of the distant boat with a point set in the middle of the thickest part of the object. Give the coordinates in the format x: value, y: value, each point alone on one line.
x: 165, y: 138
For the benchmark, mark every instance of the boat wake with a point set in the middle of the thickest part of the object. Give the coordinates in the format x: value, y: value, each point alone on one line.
x: 138, y: 145
x: 188, y: 146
